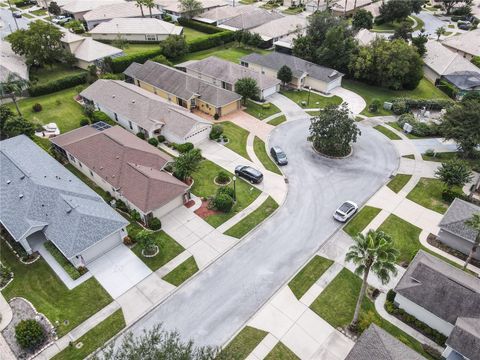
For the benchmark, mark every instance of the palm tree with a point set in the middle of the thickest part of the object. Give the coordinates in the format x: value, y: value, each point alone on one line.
x: 372, y: 252
x: 149, y: 4
x: 14, y: 86
x: 440, y: 31
x: 474, y: 223
x: 139, y: 4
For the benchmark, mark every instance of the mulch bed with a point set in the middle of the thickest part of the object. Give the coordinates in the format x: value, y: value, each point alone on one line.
x: 203, y: 211
x: 433, y: 240
x: 189, y: 204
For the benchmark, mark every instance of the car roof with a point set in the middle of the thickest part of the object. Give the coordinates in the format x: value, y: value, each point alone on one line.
x: 277, y: 149
x: 346, y: 206
x: 252, y: 171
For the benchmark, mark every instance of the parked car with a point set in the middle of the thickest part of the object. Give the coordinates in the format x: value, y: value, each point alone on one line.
x: 249, y: 173
x: 17, y: 14
x: 345, y: 211
x: 464, y: 25
x: 279, y: 156
x: 61, y: 19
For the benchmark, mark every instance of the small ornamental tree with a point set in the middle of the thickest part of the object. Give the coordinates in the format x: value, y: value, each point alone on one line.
x: 247, y: 88
x: 362, y: 19
x: 174, y: 47
x: 284, y: 74
x: 186, y: 164
x: 145, y: 239
x: 454, y: 172
x: 332, y: 131
x: 54, y: 9
x: 191, y: 7
x: 18, y: 125
x: 29, y: 334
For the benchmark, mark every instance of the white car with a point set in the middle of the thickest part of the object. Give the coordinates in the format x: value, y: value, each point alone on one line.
x: 61, y: 19
x: 345, y: 211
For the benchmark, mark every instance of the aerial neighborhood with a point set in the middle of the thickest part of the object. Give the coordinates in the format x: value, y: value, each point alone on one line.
x: 240, y: 179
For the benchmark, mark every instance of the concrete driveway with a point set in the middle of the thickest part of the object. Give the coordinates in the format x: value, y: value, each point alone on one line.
x: 219, y: 300
x: 118, y: 270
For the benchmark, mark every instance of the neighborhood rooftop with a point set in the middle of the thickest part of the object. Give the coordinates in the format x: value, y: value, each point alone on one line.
x: 37, y: 192
x: 223, y: 12
x: 78, y: 6
x: 175, y: 6
x: 465, y: 336
x: 468, y: 42
x: 11, y: 63
x: 280, y: 27
x: 88, y: 49
x: 136, y: 26
x: 251, y: 19
x: 117, y: 10
x: 445, y: 61
x: 454, y: 219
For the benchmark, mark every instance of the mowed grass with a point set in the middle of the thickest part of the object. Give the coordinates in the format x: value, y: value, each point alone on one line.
x: 278, y: 120
x: 205, y: 187
x: 259, y: 111
x: 424, y: 90
x: 139, y: 48
x: 182, y: 272
x: 428, y: 193
x: 94, y: 338
x: 281, y: 352
x: 243, y: 344
x: 40, y: 285
x: 62, y: 260
x: 361, y: 220
x: 192, y: 34
x: 387, y: 132
x: 309, y: 275
x: 262, y: 155
x: 313, y: 101
x: 336, y: 305
x: 444, y: 156
x: 227, y: 52
x: 249, y: 222
x: 52, y: 72
x: 237, y: 138
x: 398, y: 182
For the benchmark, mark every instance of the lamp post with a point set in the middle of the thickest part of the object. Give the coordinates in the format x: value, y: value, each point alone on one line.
x: 234, y: 189
x: 308, y: 100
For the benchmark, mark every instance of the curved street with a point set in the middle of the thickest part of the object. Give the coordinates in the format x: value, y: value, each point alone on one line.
x: 216, y: 303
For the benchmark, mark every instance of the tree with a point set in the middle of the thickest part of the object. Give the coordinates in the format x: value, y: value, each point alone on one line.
x: 460, y: 123
x: 284, y: 74
x: 186, y: 164
x: 139, y: 3
x: 150, y: 4
x: 396, y: 10
x: 332, y: 131
x: 191, y: 7
x: 54, y: 9
x: 448, y: 5
x: 40, y: 44
x: 440, y: 31
x: 337, y: 48
x: 454, y: 172
x: 146, y: 241
x: 247, y: 88
x: 18, y: 125
x: 29, y: 333
x: 474, y: 223
x: 13, y: 86
x: 362, y: 19
x: 76, y: 26
x: 5, y: 114
x: 174, y: 47
x: 373, y: 252
x: 404, y: 31
x: 419, y: 42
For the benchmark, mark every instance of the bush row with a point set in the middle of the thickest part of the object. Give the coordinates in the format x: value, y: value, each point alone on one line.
x: 403, y: 105
x: 59, y: 84
x: 418, y: 128
x: 119, y: 64
x: 196, y: 25
x: 448, y: 89
x: 210, y: 41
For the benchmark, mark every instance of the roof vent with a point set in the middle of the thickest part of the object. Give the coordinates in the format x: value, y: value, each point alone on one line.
x: 133, y: 101
x: 113, y: 96
x: 22, y: 177
x: 8, y: 182
x: 117, y: 157
x: 101, y: 167
x: 20, y: 196
x: 69, y: 210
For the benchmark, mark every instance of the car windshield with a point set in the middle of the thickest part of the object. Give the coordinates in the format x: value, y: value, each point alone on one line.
x: 339, y: 213
x: 281, y: 156
x: 253, y: 172
x: 345, y: 207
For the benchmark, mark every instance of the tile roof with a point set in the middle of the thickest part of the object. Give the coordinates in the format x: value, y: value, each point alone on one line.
x: 228, y: 72
x: 440, y: 288
x: 224, y: 13
x: 117, y: 10
x: 251, y: 19
x: 465, y: 337
x: 280, y: 27
x: 88, y: 49
x: 180, y: 84
x: 11, y: 63
x: 376, y: 343
x: 454, y: 219
x: 127, y: 163
x: 142, y: 107
x: 174, y: 5
x: 137, y: 26
x: 299, y: 67
x: 467, y: 42
x: 78, y: 6
x: 444, y: 61
x: 36, y: 190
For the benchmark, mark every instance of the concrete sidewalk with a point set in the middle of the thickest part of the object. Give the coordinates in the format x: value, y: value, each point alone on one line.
x: 355, y: 102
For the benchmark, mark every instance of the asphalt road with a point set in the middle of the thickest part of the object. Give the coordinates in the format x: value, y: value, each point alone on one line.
x: 217, y: 302
x: 7, y: 22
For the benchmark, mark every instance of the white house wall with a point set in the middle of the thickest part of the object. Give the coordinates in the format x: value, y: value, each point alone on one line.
x: 430, y: 74
x: 130, y: 37
x: 125, y: 123
x: 165, y: 209
x: 457, y: 243
x: 100, y: 248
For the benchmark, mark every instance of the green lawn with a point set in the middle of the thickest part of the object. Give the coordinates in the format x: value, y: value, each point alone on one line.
x: 192, y: 34
x: 428, y: 193
x: 243, y: 227
x: 281, y: 352
x: 27, y: 15
x: 259, y: 111
x: 278, y: 120
x: 94, y: 338
x: 361, y: 220
x: 228, y: 52
x: 410, y: 136
x: 40, y: 285
x: 62, y: 261
x: 205, y: 187
x: 387, y: 132
x: 316, y: 100
x: 398, y: 182
x: 52, y: 72
x: 39, y: 12
x: 444, y: 156
x: 261, y: 152
x: 169, y: 249
x: 59, y: 107
x: 182, y: 272
x: 336, y: 305
x: 424, y: 90
x: 138, y: 48
x: 237, y: 138
x: 392, y: 26
x: 309, y: 275
x: 244, y: 343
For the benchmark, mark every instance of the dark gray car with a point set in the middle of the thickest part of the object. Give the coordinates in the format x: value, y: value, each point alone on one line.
x: 279, y: 156
x: 249, y: 173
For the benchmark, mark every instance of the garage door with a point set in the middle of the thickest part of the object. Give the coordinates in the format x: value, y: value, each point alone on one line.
x: 335, y: 83
x: 269, y: 91
x: 101, y: 247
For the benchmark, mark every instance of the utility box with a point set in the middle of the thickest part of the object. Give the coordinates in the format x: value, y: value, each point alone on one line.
x: 387, y: 105
x: 407, y: 128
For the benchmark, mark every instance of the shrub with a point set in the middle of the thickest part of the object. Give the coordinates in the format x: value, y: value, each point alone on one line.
x: 161, y: 59
x: 166, y: 17
x: 37, y: 107
x: 101, y: 116
x: 65, y: 82
x: 155, y: 224
x: 135, y: 215
x: 192, y: 24
x: 153, y: 142
x: 141, y: 135
x: 210, y: 41
x: 120, y: 205
x: 128, y: 241
x: 84, y: 122
x: 216, y: 116
x: 406, y: 118
x: 183, y: 148
x: 266, y: 106
x: 29, y: 333
x: 216, y: 132
x: 223, y: 177
x: 375, y: 105
x: 450, y: 195
x: 161, y: 138
x: 391, y: 295
x: 223, y: 202
x: 448, y: 89
x: 430, y: 152
x: 226, y: 191
x: 119, y: 64
x: 431, y: 104
x: 399, y: 107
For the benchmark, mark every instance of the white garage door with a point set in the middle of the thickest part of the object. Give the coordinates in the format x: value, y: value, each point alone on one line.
x: 269, y: 91
x: 101, y: 247
x: 335, y: 83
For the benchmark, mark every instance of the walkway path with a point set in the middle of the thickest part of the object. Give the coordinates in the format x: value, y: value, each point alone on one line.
x: 289, y: 108
x: 355, y: 102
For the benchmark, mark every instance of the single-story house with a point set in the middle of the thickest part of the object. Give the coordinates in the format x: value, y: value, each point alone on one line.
x: 305, y: 73
x: 453, y: 230
x: 183, y: 89
x: 464, y: 82
x: 129, y: 168
x: 365, y: 36
x: 286, y: 43
x: 78, y: 8
x: 41, y: 200
x: 347, y: 7
x: 310, y: 5
x: 467, y: 44
x: 377, y: 344
x: 225, y: 74
x: 88, y: 51
x: 11, y: 63
x: 139, y: 110
x: 174, y: 8
x: 219, y: 15
x: 117, y: 10
x: 250, y: 20
x: 135, y: 30
x: 445, y: 298
x: 279, y: 28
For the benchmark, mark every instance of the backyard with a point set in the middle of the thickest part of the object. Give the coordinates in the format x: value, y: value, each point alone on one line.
x: 52, y: 72
x: 228, y: 52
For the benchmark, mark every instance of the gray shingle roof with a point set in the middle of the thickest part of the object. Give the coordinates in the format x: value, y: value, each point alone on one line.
x: 251, y: 19
x: 376, y: 344
x: 464, y: 80
x: 74, y: 215
x: 299, y: 67
x: 454, y: 219
x: 180, y: 84
x: 465, y: 337
x: 440, y: 288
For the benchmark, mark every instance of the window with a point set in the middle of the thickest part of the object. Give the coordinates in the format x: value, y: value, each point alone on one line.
x: 243, y: 63
x: 116, y: 117
x: 91, y: 173
x: 80, y: 164
x: 150, y: 37
x: 72, y: 158
x: 130, y: 125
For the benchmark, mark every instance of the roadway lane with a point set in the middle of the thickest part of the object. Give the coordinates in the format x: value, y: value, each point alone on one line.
x: 215, y: 304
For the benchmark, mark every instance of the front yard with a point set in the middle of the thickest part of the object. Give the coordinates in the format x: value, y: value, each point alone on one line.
x: 315, y: 101
x: 237, y: 138
x: 428, y: 193
x: 361, y: 220
x: 182, y: 272
x: 261, y: 111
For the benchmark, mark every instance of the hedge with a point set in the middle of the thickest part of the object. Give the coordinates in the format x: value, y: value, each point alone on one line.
x: 448, y: 89
x: 119, y: 64
x: 59, y: 84
x: 101, y: 116
x: 430, y: 104
x: 210, y: 41
x: 196, y: 25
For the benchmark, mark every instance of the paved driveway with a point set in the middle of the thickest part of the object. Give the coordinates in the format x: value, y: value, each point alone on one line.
x: 219, y: 300
x: 118, y: 270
